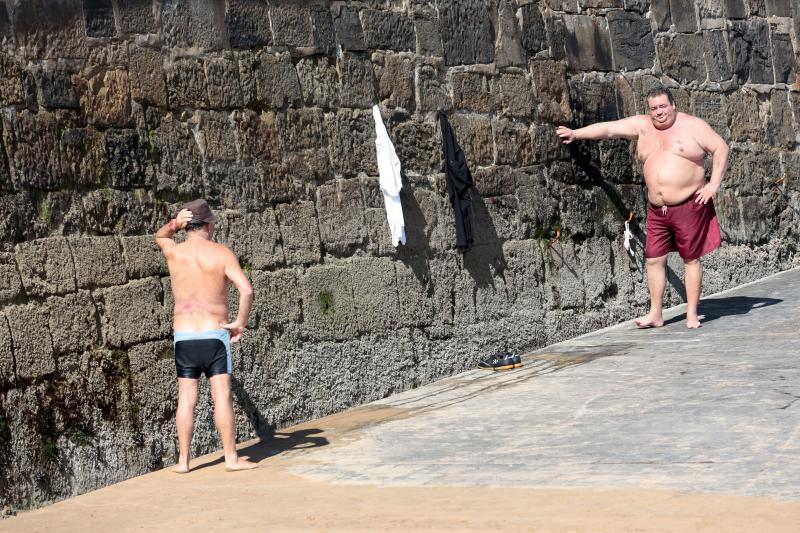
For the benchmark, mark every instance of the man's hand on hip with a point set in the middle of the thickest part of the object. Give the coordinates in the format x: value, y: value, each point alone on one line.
x: 706, y: 193
x: 236, y: 328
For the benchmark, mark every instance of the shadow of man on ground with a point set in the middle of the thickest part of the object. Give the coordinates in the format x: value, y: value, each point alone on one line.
x: 715, y: 308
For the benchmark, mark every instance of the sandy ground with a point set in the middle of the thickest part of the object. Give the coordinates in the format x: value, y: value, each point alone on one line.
x: 271, y: 499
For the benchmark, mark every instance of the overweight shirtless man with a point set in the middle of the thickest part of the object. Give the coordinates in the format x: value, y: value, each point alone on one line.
x: 200, y: 271
x: 680, y: 211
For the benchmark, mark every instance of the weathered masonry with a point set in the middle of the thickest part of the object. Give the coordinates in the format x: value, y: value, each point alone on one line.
x: 115, y: 111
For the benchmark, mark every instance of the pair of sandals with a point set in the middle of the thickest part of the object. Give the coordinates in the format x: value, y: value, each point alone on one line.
x: 501, y: 361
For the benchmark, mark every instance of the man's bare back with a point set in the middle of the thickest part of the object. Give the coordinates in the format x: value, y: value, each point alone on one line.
x: 199, y: 284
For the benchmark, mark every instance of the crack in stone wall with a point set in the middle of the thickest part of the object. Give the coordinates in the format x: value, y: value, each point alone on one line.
x: 113, y: 113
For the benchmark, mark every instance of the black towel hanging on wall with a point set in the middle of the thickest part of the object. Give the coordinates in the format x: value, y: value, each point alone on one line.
x: 459, y: 182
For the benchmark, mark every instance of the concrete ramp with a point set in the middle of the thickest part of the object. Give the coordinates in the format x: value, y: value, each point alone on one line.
x: 621, y: 430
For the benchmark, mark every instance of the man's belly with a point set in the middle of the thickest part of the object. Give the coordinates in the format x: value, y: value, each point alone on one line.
x: 671, y: 179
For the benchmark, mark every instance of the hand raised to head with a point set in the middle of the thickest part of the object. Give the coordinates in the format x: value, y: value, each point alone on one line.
x: 183, y: 218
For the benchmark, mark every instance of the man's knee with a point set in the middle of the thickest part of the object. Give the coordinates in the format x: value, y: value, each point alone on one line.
x: 657, y: 261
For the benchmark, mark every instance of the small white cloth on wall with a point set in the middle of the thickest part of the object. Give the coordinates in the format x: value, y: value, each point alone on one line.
x: 390, y: 179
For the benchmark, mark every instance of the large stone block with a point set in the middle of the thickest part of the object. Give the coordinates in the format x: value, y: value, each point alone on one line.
x: 320, y: 82
x: 248, y: 23
x: 467, y: 32
x: 56, y: 89
x: 783, y: 57
x: 143, y: 257
x: 429, y: 38
x: 224, y: 90
x: 60, y: 34
x: 73, y: 322
x: 328, y: 302
x: 99, y: 16
x: 349, y: 32
x: 105, y: 99
x: 596, y: 100
x: 186, y: 83
x: 11, y: 91
x: 7, y: 376
x: 30, y: 333
x: 257, y: 136
x: 136, y: 16
x: 146, y: 74
x: 299, y: 232
x: 550, y: 86
x: 269, y: 80
x: 291, y: 25
x: 751, y: 57
x: 374, y: 284
x: 126, y: 153
x: 476, y: 138
x: 516, y: 97
x: 180, y: 169
x: 711, y: 108
x: 396, y: 82
x: 418, y: 145
x: 10, y: 281
x: 744, y: 117
x: 340, y: 210
x: 388, y: 30
x: 681, y: 58
x: 19, y: 220
x: 779, y: 8
x: 83, y: 159
x: 233, y: 186
x: 255, y: 238
x: 631, y: 40
x: 133, y: 313
x: 735, y: 9
x: 751, y: 173
x: 588, y: 46
x: 472, y: 91
x: 358, y: 83
x: 46, y: 266
x: 277, y: 299
x: 415, y: 292
x: 324, y: 30
x: 351, y: 146
x: 433, y: 93
x: 32, y: 144
x: 192, y: 24
x: 98, y: 261
x: 716, y: 54
x: 547, y: 146
x: 123, y: 212
x: 508, y: 50
x: 780, y: 128
x: 216, y: 132
x: 534, y: 33
x: 683, y: 16
x: 513, y: 143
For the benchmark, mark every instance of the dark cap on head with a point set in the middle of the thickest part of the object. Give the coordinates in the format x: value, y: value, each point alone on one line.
x: 201, y: 213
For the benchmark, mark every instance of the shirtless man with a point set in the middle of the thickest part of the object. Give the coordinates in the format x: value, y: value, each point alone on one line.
x: 200, y: 271
x: 680, y: 212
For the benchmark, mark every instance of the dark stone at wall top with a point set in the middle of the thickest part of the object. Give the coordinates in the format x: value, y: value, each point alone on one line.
x: 467, y: 32
x: 534, y: 34
x: 588, y: 45
x: 631, y: 40
x: 248, y: 23
x: 99, y: 15
x: 349, y: 31
x: 386, y: 30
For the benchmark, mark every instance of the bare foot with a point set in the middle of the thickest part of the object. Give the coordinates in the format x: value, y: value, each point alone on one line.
x: 181, y: 468
x: 650, y: 320
x: 693, y: 323
x: 241, y: 464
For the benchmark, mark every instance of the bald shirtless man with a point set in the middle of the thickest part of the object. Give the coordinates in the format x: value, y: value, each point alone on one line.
x: 680, y: 214
x: 200, y: 271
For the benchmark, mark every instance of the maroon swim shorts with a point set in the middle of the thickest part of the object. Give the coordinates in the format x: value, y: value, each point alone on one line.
x: 689, y: 228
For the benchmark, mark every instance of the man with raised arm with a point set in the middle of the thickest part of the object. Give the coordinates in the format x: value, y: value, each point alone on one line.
x: 680, y: 212
x: 200, y: 271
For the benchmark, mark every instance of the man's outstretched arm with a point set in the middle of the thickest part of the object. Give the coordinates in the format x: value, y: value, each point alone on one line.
x: 627, y: 128
x: 237, y: 276
x: 165, y: 233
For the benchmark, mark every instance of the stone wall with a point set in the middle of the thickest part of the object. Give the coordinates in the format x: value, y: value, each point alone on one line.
x: 114, y: 112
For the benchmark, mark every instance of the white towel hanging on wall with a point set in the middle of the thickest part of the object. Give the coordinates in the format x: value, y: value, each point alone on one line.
x: 391, y: 181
